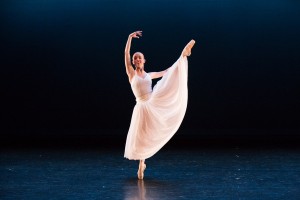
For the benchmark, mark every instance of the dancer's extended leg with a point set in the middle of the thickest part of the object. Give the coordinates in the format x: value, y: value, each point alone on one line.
x: 188, y: 48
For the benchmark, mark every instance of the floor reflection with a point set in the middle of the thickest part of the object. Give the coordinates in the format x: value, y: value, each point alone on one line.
x: 200, y: 174
x: 148, y: 189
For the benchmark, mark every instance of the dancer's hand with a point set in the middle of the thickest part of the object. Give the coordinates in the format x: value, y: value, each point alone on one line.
x: 136, y: 34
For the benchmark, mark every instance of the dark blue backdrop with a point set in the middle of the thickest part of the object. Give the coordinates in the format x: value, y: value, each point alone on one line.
x: 62, y: 62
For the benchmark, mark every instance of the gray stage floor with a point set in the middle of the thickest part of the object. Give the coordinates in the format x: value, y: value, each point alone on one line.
x: 229, y: 173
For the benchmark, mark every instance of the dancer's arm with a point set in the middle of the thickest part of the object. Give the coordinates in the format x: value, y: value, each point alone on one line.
x: 129, y: 68
x: 154, y: 75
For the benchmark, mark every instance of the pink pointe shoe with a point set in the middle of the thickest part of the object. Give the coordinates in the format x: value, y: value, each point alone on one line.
x: 188, y: 48
x: 140, y: 172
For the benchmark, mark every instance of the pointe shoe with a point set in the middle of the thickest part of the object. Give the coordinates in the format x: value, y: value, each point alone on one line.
x: 188, y: 48
x: 140, y: 172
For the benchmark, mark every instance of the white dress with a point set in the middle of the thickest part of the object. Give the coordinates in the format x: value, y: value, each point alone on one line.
x: 158, y: 113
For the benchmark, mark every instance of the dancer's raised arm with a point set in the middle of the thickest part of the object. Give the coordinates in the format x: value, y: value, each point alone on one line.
x: 129, y: 68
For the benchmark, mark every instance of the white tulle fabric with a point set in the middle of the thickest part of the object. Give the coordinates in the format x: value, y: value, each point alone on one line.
x: 157, y: 114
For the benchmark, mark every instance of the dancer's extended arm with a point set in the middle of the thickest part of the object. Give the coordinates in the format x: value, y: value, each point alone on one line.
x: 154, y: 75
x: 129, y: 68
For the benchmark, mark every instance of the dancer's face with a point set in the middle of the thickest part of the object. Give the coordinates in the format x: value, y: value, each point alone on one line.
x: 138, y: 60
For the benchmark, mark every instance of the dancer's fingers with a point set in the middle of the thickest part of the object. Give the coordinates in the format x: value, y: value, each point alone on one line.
x: 136, y: 34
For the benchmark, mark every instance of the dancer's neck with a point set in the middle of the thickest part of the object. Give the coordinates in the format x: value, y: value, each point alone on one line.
x: 139, y: 70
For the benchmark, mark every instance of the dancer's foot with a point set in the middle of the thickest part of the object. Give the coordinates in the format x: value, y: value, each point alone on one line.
x: 188, y: 48
x: 140, y: 173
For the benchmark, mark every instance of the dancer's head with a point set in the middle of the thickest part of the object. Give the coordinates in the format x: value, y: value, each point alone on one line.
x: 138, y: 60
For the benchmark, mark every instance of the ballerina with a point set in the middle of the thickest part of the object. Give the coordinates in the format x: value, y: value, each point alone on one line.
x: 158, y: 112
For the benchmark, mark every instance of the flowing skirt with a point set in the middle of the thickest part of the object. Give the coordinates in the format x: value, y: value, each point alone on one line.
x: 156, y: 120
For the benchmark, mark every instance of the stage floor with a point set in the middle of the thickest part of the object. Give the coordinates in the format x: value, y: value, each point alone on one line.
x: 210, y: 173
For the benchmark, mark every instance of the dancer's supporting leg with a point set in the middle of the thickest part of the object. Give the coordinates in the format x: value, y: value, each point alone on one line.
x: 142, y: 167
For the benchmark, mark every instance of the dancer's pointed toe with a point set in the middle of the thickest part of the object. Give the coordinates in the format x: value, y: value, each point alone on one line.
x: 187, y: 51
x: 191, y: 43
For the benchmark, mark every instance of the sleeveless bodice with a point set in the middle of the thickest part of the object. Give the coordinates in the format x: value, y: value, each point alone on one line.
x: 141, y: 87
